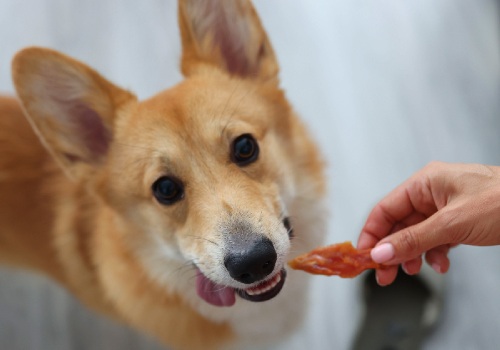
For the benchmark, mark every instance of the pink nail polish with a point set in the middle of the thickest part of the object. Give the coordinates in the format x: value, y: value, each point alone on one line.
x: 437, y: 268
x: 382, y: 253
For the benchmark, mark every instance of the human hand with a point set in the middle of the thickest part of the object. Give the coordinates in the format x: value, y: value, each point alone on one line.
x: 439, y: 207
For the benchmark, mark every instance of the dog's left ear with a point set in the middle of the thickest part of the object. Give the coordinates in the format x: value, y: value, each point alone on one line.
x: 226, y: 34
x: 70, y: 106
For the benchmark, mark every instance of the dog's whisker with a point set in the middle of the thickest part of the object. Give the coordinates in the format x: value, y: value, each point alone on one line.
x: 227, y: 104
x: 243, y: 96
x: 204, y: 239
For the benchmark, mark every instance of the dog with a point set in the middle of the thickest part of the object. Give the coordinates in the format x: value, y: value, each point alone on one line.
x: 177, y: 214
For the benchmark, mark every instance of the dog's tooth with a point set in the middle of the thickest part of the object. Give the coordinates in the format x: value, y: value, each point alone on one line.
x: 256, y: 292
x: 273, y: 282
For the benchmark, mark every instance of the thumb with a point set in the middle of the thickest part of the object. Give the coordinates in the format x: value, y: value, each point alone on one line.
x: 410, y: 242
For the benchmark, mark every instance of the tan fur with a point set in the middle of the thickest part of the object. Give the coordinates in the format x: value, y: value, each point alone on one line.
x: 85, y: 214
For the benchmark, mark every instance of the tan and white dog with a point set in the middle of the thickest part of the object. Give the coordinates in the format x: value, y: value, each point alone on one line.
x: 176, y: 214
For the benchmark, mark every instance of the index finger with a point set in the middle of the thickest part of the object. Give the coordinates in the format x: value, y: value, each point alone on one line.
x: 412, y: 196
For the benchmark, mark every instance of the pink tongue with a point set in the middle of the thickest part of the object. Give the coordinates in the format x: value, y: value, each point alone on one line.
x: 214, y: 293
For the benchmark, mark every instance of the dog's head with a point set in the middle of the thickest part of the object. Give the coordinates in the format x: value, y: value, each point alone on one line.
x: 200, y: 174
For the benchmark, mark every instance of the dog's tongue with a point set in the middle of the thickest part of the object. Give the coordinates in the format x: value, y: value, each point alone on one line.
x: 214, y: 293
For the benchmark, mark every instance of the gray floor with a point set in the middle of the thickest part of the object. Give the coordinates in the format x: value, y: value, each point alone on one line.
x: 386, y: 86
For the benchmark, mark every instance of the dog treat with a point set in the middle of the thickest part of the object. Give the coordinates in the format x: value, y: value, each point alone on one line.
x: 340, y: 259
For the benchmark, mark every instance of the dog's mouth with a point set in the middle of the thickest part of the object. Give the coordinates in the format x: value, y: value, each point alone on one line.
x: 265, y: 290
x: 220, y: 295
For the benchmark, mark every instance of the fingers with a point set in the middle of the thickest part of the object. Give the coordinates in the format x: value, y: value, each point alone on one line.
x: 392, y: 209
x: 405, y: 225
x: 386, y: 276
x: 410, y: 203
x: 411, y: 242
x: 406, y: 248
x: 437, y: 258
x: 412, y: 267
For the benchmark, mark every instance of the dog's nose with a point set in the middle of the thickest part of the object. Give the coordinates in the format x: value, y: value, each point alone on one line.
x: 248, y: 262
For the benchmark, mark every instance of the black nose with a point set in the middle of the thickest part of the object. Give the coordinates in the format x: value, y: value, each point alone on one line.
x: 250, y: 261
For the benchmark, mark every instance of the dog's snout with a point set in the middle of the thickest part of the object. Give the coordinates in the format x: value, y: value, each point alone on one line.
x: 248, y: 262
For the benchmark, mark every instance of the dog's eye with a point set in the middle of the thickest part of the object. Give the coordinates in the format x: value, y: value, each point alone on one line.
x: 168, y: 190
x: 245, y: 150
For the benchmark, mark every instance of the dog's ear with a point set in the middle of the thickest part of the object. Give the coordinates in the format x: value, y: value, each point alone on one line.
x: 69, y: 105
x: 226, y: 34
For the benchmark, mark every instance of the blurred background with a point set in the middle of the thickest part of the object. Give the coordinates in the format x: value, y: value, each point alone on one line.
x: 385, y: 87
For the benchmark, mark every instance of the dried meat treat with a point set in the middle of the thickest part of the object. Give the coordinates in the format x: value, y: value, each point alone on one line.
x: 338, y: 259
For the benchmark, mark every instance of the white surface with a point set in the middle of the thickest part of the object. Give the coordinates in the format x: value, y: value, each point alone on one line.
x: 386, y: 86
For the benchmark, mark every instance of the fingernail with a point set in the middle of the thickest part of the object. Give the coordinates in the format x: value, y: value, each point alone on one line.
x: 382, y: 253
x: 437, y: 268
x: 378, y: 281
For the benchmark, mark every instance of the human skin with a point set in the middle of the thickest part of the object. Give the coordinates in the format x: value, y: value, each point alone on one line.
x: 439, y: 207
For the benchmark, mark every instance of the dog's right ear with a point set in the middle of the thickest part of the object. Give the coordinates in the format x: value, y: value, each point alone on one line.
x: 70, y: 106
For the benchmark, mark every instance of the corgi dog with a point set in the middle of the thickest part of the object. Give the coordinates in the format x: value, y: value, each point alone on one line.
x: 177, y: 214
